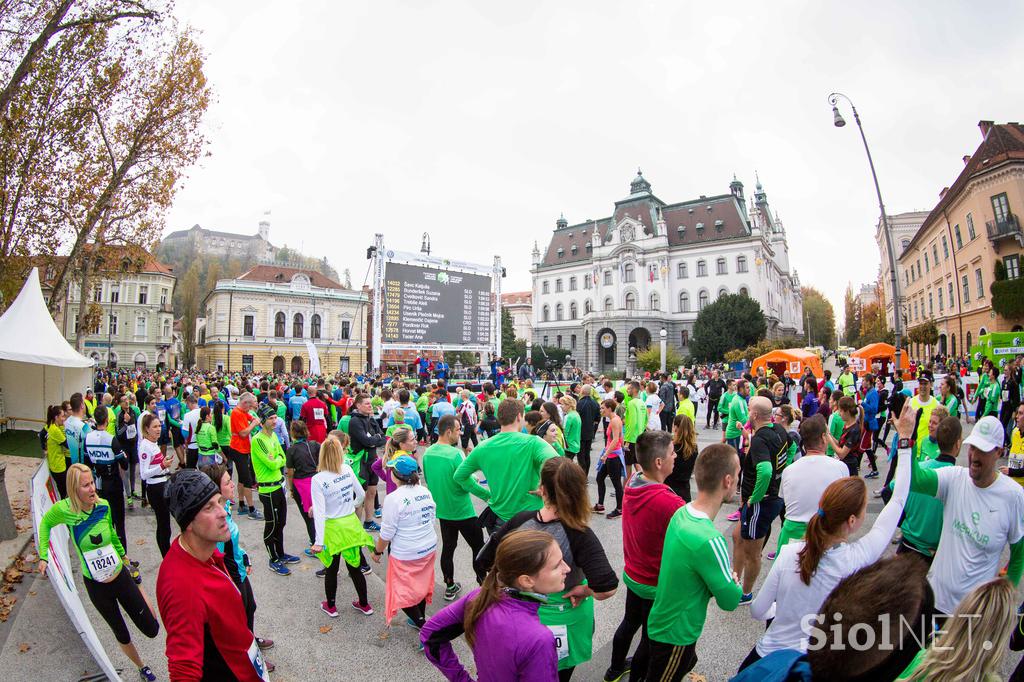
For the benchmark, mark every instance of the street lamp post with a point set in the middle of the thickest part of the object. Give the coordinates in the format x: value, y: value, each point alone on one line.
x: 664, y: 347
x: 115, y: 287
x: 839, y: 122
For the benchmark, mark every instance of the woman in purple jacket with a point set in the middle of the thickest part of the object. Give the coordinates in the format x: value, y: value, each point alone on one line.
x: 500, y: 618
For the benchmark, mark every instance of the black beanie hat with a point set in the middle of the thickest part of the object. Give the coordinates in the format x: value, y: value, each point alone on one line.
x: 187, y: 492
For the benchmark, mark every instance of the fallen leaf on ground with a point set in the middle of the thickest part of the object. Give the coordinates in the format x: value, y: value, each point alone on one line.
x: 324, y: 629
x: 140, y: 542
x: 23, y: 647
x: 31, y: 593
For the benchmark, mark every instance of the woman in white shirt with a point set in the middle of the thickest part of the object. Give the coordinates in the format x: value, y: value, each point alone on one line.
x: 805, y: 572
x: 153, y: 466
x: 336, y: 494
x: 407, y: 525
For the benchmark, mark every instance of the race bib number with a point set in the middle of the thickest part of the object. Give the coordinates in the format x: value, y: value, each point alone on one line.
x: 561, y: 633
x: 1016, y: 460
x: 258, y: 664
x: 318, y: 414
x: 103, y: 563
x: 1006, y: 395
x: 130, y: 432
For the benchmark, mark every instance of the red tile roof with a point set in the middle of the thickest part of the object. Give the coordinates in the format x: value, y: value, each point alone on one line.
x: 278, y: 274
x: 517, y: 297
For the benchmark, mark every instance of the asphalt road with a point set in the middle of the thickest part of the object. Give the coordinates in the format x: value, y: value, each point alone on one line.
x: 310, y: 646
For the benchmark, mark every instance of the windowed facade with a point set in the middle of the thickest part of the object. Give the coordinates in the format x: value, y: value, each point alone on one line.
x: 684, y: 338
x: 573, y: 311
x: 722, y: 292
x: 545, y: 287
x: 143, y: 294
x: 949, y: 291
x: 609, y: 305
x: 720, y: 267
x: 559, y: 312
x: 956, y: 236
x: 572, y: 342
x: 164, y: 293
x: 298, y: 326
x: 346, y: 330
x: 702, y: 268
x: 741, y: 264
x: 279, y: 325
x: 246, y: 363
x: 97, y: 293
x: 558, y: 286
x: 684, y: 302
x: 249, y: 326
x: 140, y: 326
x: 1012, y: 264
x: 545, y: 315
x: 630, y: 301
x: 1001, y: 209
x: 572, y: 284
x: 628, y: 273
x: 945, y: 247
x: 681, y: 271
x: 979, y: 283
x: 655, y: 302
x: 112, y: 325
x: 965, y: 289
x: 167, y: 329
x: 314, y: 327
x: 941, y: 307
x: 970, y: 227
x: 703, y: 300
x: 607, y: 277
x: 587, y: 306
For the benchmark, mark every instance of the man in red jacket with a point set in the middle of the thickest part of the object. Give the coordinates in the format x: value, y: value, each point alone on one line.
x: 208, y: 637
x: 314, y: 413
x: 647, y: 507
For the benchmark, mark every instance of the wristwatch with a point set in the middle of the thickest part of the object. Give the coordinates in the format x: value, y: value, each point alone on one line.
x: 903, y: 443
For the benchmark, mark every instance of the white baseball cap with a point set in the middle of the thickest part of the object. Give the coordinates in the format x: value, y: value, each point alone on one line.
x: 987, y: 434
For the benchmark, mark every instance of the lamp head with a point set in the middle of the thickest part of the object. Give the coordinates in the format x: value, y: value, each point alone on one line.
x: 837, y: 118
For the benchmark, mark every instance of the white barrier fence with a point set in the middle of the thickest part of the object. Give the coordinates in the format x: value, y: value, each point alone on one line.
x: 59, y: 570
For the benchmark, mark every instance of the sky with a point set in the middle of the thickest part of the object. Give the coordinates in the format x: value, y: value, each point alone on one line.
x: 480, y: 123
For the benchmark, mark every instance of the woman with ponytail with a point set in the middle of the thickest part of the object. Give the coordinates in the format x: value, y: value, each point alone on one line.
x: 565, y: 516
x: 500, y: 619
x: 804, y: 573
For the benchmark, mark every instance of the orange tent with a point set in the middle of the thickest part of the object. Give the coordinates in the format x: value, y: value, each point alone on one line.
x: 789, y: 361
x: 862, y: 359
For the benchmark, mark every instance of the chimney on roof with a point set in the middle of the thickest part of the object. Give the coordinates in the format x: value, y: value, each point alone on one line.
x: 985, y: 126
x: 967, y: 159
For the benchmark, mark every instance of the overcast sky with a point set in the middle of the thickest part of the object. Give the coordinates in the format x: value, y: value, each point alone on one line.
x: 480, y: 122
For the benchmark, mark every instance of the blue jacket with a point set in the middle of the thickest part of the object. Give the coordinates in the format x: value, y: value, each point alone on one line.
x: 235, y: 558
x: 870, y: 405
x: 785, y: 665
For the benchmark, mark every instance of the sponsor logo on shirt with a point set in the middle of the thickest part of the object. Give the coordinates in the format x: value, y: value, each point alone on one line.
x: 970, y: 533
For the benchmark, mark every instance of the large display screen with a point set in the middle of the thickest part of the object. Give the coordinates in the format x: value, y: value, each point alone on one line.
x: 428, y: 306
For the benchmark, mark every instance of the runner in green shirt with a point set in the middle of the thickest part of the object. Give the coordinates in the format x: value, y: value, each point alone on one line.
x: 510, y: 461
x: 686, y: 405
x: 835, y: 421
x: 268, y: 463
x: 633, y: 424
x: 572, y: 426
x: 694, y: 567
x: 737, y: 415
x: 846, y: 381
x: 724, y: 402
x: 455, y: 512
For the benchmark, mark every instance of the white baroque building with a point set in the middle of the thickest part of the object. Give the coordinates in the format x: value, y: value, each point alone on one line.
x: 604, y: 286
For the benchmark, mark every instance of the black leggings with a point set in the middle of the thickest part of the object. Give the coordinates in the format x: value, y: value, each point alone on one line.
x: 472, y: 533
x: 354, y: 574
x: 310, y: 529
x: 155, y: 495
x: 613, y: 468
x: 583, y: 458
x: 249, y: 602
x: 122, y: 591
x: 469, y: 434
x: 60, y: 480
x: 635, y: 618
x: 275, y: 513
x: 112, y: 491
x: 418, y: 613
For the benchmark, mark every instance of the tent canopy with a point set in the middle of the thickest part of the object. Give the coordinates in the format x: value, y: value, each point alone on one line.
x: 38, y: 367
x: 882, y: 352
x: 789, y: 361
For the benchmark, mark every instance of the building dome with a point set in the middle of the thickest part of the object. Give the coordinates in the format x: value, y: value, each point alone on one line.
x: 561, y: 222
x: 639, y: 184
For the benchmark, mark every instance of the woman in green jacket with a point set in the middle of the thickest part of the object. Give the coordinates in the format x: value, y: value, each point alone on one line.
x: 268, y: 463
x: 104, y: 562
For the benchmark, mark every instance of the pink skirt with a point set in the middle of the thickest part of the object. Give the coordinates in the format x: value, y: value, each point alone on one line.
x: 303, y: 486
x: 407, y: 584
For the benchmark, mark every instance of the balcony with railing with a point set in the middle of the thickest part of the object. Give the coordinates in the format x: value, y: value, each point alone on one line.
x: 1005, y: 229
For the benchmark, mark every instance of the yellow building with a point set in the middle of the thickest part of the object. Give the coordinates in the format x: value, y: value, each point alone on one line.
x: 950, y: 264
x: 263, y: 321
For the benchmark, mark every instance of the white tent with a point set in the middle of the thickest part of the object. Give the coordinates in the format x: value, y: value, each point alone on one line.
x: 38, y: 367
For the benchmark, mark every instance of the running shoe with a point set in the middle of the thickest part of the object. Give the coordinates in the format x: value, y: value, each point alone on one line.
x: 746, y: 599
x: 145, y: 503
x: 322, y: 573
x: 264, y: 644
x: 279, y: 568
x: 146, y: 674
x: 483, y: 481
x: 376, y: 513
x: 597, y: 508
x: 735, y: 516
x: 451, y: 591
x: 270, y: 667
x: 371, y: 526
x: 366, y: 609
x: 331, y: 611
x: 613, y: 514
x: 308, y: 552
x: 254, y: 514
x: 614, y: 675
x: 871, y: 474
x: 134, y: 564
x: 771, y: 556
x: 366, y: 569
x: 411, y: 623
x: 243, y: 509
x: 290, y: 559
x: 877, y: 493
x: 130, y: 504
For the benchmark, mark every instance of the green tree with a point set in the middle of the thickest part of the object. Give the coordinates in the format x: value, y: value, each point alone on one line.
x: 873, y: 327
x: 649, y: 359
x: 191, y: 297
x: 851, y: 314
x: 819, y: 317
x: 733, y: 321
x: 508, y: 333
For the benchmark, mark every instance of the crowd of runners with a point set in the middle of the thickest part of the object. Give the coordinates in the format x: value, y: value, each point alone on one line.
x: 382, y: 471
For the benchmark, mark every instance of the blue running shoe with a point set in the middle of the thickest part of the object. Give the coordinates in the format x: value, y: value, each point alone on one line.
x: 279, y: 568
x: 290, y: 559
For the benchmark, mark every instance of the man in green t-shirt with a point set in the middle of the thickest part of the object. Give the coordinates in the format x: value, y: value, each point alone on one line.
x: 511, y: 462
x: 847, y: 382
x: 736, y: 418
x: 455, y: 511
x: 922, y: 514
x: 723, y: 404
x: 694, y: 567
x: 633, y: 424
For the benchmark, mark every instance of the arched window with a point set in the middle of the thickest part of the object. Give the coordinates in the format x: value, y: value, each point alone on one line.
x: 297, y: 324
x: 702, y: 299
x: 314, y: 327
x: 720, y: 267
x: 722, y: 292
x: 279, y: 325
x: 608, y: 304
x: 741, y: 263
x: 655, y: 302
x: 559, y: 312
x: 628, y: 273
x: 744, y: 292
x: 587, y: 306
x: 573, y: 311
x: 545, y: 314
x: 684, y: 302
x: 681, y: 271
x: 982, y: 331
x: 702, y: 268
x: 630, y: 301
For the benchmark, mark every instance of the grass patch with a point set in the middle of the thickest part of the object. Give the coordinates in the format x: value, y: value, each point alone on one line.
x: 20, y: 444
